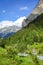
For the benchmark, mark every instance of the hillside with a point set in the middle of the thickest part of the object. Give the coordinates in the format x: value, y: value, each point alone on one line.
x: 24, y: 47
x: 28, y: 42
x: 30, y: 34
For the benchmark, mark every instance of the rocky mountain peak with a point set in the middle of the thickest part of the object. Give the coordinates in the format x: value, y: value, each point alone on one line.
x: 39, y: 8
x: 36, y: 12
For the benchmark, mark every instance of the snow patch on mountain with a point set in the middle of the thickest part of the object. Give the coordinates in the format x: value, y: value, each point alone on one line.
x: 18, y: 22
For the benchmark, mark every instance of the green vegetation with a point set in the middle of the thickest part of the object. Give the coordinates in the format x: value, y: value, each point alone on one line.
x: 29, y: 40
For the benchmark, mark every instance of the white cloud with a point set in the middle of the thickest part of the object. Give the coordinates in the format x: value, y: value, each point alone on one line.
x: 5, y: 24
x: 24, y: 8
x: 18, y: 22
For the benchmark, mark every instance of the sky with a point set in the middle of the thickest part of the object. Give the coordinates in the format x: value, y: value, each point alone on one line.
x: 11, y: 10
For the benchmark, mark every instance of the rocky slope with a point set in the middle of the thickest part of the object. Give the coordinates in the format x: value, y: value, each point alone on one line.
x: 36, y: 12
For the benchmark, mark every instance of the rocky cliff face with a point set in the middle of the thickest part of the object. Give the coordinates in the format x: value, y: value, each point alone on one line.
x: 39, y: 8
x: 36, y: 12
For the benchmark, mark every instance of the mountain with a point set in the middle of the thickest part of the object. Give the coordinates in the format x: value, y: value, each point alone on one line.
x: 10, y: 27
x: 39, y: 8
x: 25, y: 46
x: 7, y: 28
x: 33, y: 32
x: 35, y: 13
x: 7, y: 31
x: 18, y: 23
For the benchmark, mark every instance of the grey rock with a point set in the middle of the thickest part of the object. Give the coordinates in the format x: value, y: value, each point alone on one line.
x: 36, y: 12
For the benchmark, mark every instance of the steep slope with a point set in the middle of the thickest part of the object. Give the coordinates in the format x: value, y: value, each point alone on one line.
x: 25, y: 47
x: 36, y: 12
x: 29, y: 34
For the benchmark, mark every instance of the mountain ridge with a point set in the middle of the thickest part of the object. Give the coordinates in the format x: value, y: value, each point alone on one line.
x: 35, y: 13
x: 23, y: 21
x: 7, y: 29
x: 29, y: 34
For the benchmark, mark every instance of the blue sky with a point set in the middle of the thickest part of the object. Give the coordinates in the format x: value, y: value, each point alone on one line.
x: 11, y: 10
